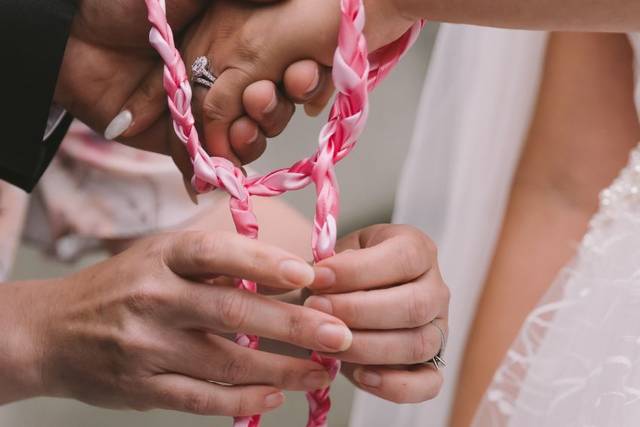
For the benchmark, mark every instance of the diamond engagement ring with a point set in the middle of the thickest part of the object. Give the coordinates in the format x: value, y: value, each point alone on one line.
x: 200, y: 72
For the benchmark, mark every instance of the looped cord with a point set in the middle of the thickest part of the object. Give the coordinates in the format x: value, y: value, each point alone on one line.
x: 355, y: 74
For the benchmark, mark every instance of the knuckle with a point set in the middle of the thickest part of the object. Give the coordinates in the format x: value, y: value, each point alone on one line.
x: 233, y: 310
x: 213, y: 109
x: 241, y: 406
x: 446, y: 294
x: 295, y: 327
x: 235, y: 371
x: 145, y: 299
x: 199, y: 404
x: 422, y: 348
x: 412, y: 261
x: 351, y: 311
x: 419, y: 304
x: 202, y: 247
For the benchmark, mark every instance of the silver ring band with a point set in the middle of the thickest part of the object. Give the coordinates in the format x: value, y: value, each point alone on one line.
x: 438, y: 359
x: 204, y: 82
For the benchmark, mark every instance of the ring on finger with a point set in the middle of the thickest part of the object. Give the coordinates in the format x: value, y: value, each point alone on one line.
x: 201, y: 73
x: 438, y: 359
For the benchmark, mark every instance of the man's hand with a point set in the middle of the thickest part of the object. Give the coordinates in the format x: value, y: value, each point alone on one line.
x: 109, y: 69
x: 386, y: 286
x: 144, y: 329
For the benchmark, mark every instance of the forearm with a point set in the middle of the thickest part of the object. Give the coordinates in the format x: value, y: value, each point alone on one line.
x: 566, y: 15
x: 582, y: 132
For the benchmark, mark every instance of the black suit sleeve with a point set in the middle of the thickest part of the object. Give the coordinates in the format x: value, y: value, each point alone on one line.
x: 33, y: 35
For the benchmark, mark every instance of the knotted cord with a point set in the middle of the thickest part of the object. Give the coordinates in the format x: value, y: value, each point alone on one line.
x: 355, y: 74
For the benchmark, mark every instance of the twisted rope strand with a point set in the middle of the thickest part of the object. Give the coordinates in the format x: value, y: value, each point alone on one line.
x: 355, y: 74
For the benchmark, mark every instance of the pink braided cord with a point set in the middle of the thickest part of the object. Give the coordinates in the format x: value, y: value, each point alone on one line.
x: 355, y: 74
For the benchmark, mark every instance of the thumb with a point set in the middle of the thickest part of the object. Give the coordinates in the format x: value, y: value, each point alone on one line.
x: 142, y: 109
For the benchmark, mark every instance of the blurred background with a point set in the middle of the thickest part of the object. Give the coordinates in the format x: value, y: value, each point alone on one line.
x: 368, y: 178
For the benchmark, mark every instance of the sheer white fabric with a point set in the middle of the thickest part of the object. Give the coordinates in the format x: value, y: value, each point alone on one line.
x: 475, y: 111
x: 576, y: 361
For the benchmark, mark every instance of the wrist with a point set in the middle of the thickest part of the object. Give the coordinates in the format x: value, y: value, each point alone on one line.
x: 20, y: 359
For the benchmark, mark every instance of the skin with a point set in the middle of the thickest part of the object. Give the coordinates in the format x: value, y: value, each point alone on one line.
x: 569, y: 15
x: 418, y: 296
x: 250, y: 44
x: 133, y: 331
x: 109, y: 65
x: 581, y: 135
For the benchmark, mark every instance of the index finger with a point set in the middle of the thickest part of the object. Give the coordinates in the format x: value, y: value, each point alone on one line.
x: 202, y: 254
x: 397, y: 259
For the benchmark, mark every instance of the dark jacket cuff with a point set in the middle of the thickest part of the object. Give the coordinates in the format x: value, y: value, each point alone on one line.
x: 33, y: 34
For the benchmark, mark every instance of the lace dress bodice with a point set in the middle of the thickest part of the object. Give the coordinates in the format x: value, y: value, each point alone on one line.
x: 576, y: 362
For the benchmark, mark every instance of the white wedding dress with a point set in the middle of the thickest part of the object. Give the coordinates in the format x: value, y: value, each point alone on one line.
x: 577, y: 360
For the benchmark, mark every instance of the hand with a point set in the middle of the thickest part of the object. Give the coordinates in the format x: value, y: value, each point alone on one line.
x: 142, y: 329
x: 247, y: 44
x: 109, y: 67
x: 386, y: 286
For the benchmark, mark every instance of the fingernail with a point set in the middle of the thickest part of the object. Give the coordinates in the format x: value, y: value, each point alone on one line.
x: 322, y: 304
x: 272, y: 104
x: 297, y: 272
x: 316, y: 380
x: 314, y: 83
x: 274, y: 400
x: 367, y: 378
x: 325, y: 278
x: 118, y: 125
x: 334, y: 337
x: 254, y: 138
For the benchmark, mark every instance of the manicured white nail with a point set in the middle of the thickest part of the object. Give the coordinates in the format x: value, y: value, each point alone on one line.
x: 118, y: 125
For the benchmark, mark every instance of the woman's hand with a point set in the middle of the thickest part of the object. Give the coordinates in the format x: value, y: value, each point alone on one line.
x: 142, y: 329
x: 386, y: 286
x: 248, y: 43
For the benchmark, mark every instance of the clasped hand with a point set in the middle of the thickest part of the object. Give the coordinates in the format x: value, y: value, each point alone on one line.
x: 155, y: 331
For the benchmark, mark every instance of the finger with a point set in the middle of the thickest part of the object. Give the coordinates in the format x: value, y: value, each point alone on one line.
x: 396, y: 259
x: 144, y: 107
x: 317, y: 104
x: 400, y: 347
x: 197, y: 254
x: 408, y: 306
x: 199, y: 95
x: 247, y: 139
x: 411, y: 385
x: 211, y: 357
x: 233, y: 310
x: 184, y: 394
x: 307, y: 82
x: 265, y: 104
x: 303, y: 80
x: 222, y: 105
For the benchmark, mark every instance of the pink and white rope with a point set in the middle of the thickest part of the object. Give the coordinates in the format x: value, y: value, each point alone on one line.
x: 355, y: 74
